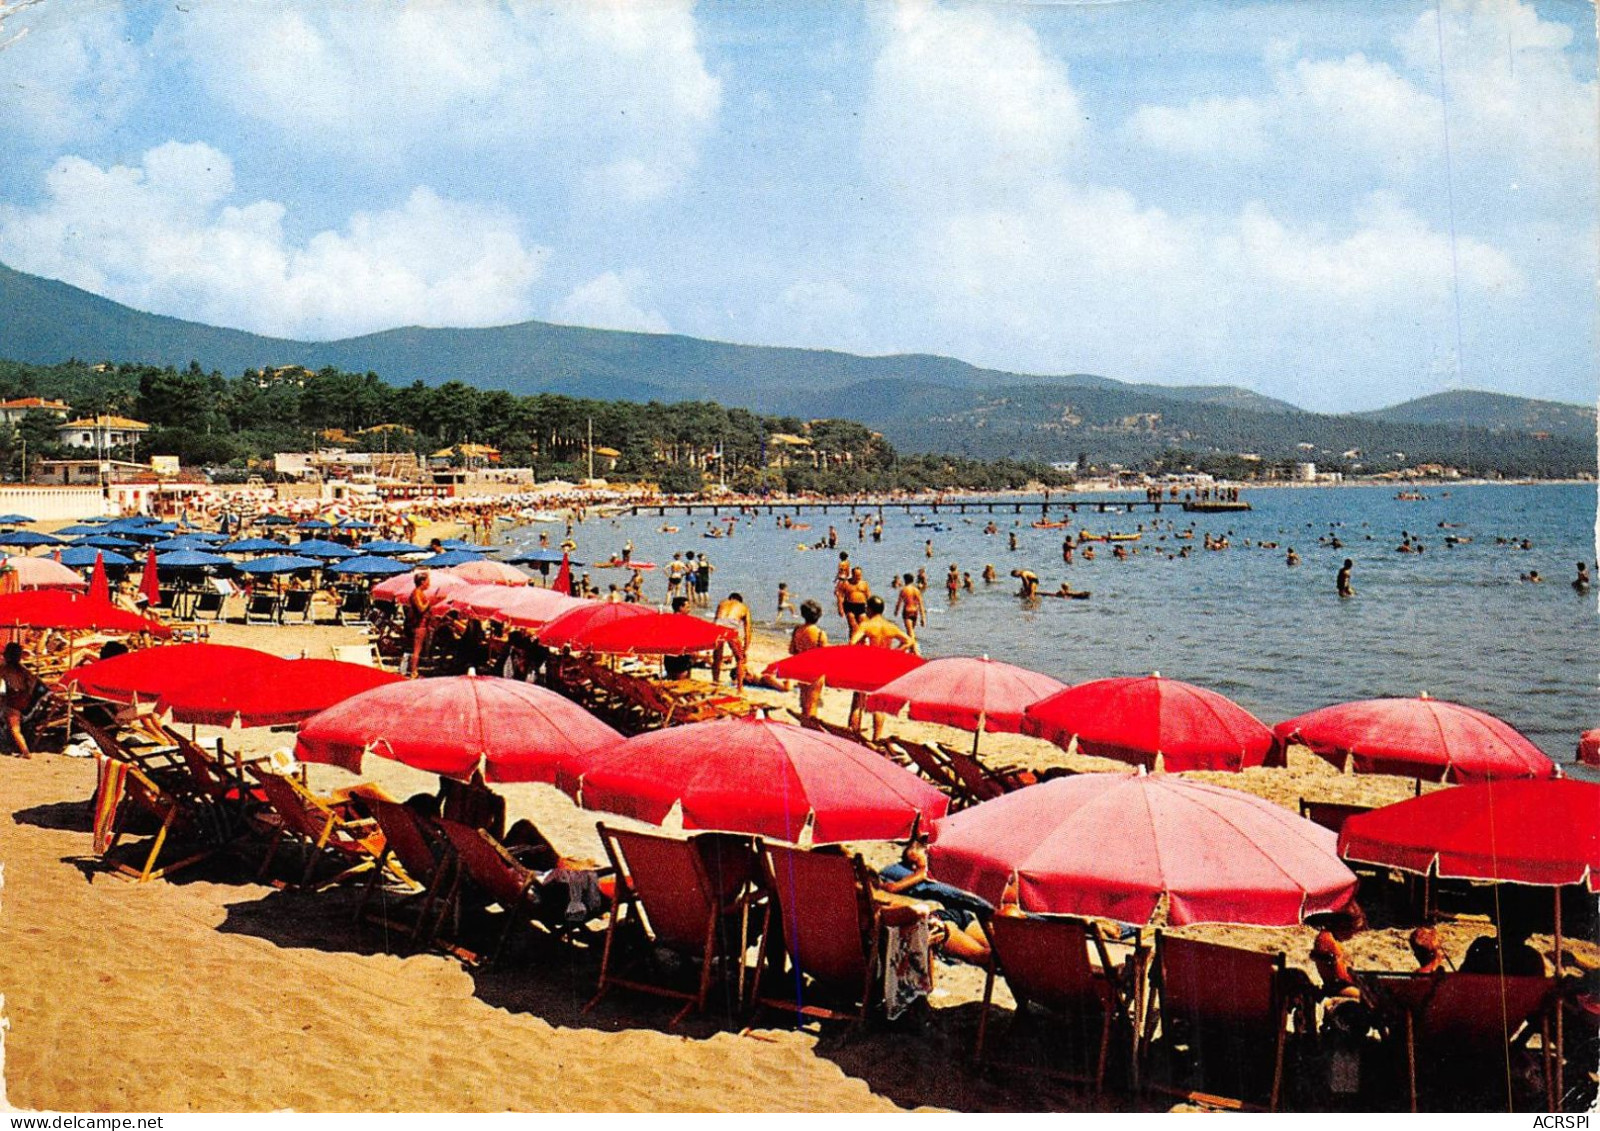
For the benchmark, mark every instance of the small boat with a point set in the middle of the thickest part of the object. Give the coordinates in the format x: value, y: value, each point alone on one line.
x: 1043, y: 524
x: 618, y: 563
x: 1123, y: 537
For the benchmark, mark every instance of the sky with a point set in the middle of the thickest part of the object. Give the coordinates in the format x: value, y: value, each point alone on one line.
x: 1341, y: 204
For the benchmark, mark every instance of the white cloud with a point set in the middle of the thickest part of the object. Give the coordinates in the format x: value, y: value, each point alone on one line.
x: 164, y: 236
x: 974, y: 96
x: 611, y: 301
x: 616, y: 93
x: 1205, y: 128
x: 65, y: 75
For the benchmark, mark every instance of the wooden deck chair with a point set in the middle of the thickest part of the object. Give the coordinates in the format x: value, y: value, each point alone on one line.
x: 241, y: 803
x: 1046, y: 960
x: 297, y: 603
x: 933, y: 765
x: 1466, y: 1021
x: 131, y: 781
x: 850, y: 734
x: 353, y: 605
x: 517, y: 888
x: 323, y: 828
x: 828, y: 926
x: 426, y: 868
x: 975, y: 773
x: 665, y: 892
x: 263, y: 605
x: 1229, y: 1007
x: 1330, y: 814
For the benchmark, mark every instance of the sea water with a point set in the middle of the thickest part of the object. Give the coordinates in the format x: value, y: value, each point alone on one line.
x: 1455, y: 621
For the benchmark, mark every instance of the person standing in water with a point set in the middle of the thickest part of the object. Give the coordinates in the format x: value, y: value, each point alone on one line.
x: 1342, y: 581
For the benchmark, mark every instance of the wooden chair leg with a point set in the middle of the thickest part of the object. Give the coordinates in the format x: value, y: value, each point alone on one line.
x: 983, y: 1016
x: 1277, y: 1062
x: 1108, y: 1016
x: 1411, y: 1059
x: 605, y: 952
x: 155, y: 849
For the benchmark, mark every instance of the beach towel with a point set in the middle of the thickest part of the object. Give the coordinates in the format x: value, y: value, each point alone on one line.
x: 584, y: 897
x: 110, y: 786
x: 907, y: 966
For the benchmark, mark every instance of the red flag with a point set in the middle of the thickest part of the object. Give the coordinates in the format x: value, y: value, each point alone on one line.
x: 148, y: 584
x: 99, y: 587
x: 563, y: 581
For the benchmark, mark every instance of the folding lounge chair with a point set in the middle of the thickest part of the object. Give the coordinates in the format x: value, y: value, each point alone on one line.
x: 1046, y: 961
x: 934, y: 766
x: 263, y: 605
x: 322, y: 827
x: 983, y: 779
x: 665, y: 892
x: 353, y: 604
x: 426, y: 868
x: 297, y: 603
x: 1465, y: 1021
x: 828, y: 926
x: 518, y: 888
x: 1229, y: 1007
x: 131, y: 780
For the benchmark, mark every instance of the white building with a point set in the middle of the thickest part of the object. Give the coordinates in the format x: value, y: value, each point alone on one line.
x: 101, y: 432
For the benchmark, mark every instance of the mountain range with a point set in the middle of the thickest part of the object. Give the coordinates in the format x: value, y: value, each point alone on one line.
x: 921, y: 402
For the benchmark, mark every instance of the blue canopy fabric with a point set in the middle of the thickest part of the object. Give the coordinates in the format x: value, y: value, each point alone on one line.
x: 252, y: 546
x: 189, y: 559
x: 29, y: 538
x: 274, y: 520
x: 538, y: 556
x: 321, y: 548
x: 370, y: 565
x: 14, y: 519
x: 314, y: 524
x: 79, y: 556
x: 104, y: 541
x: 277, y: 563
x: 450, y: 558
x: 384, y: 546
x: 357, y: 524
x: 80, y: 528
x: 181, y: 542
x: 458, y: 544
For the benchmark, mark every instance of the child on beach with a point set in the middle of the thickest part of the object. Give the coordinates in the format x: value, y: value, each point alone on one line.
x: 785, y: 603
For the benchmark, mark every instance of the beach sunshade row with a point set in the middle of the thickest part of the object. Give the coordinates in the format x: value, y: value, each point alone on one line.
x: 967, y: 692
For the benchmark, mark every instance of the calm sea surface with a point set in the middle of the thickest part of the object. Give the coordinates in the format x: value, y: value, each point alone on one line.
x: 1455, y: 621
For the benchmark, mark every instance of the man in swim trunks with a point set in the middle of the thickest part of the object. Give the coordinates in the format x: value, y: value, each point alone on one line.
x: 853, y: 595
x: 735, y: 614
x: 1342, y: 581
x: 19, y: 685
x: 808, y: 636
x: 1030, y: 583
x: 877, y: 631
x: 908, y: 605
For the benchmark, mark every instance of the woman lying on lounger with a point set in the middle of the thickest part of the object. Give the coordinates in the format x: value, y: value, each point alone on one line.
x: 953, y: 926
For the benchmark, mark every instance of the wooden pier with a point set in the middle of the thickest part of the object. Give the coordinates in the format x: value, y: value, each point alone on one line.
x: 1044, y: 507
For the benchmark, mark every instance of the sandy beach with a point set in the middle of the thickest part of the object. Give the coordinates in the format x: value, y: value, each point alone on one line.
x: 211, y: 992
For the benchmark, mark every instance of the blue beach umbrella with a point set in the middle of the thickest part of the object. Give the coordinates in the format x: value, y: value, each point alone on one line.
x: 80, y: 556
x: 140, y: 528
x: 80, y: 528
x: 450, y: 558
x: 104, y: 542
x: 274, y: 520
x: 314, y: 524
x: 252, y: 546
x: 189, y: 559
x: 389, y: 547
x: 207, y: 536
x: 321, y: 548
x: 370, y: 566
x: 29, y: 538
x: 181, y: 542
x: 538, y: 556
x: 277, y: 563
x: 14, y: 519
x: 458, y: 544
x: 357, y: 524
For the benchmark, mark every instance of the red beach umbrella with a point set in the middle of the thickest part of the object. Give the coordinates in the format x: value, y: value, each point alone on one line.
x: 531, y: 606
x: 144, y: 674
x: 399, y: 587
x: 564, y: 630
x: 56, y: 608
x: 44, y: 573
x: 758, y: 777
x: 1112, y: 845
x: 853, y: 667
x: 99, y: 585
x: 1527, y: 832
x: 516, y: 731
x: 1420, y: 738
x: 280, y: 693
x: 486, y: 572
x: 666, y: 634
x: 149, y: 582
x: 563, y: 581
x: 1145, y: 718
x: 968, y: 692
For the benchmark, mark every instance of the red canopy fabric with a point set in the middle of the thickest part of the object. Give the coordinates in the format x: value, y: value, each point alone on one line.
x: 666, y: 634
x: 1421, y: 738
x: 1589, y: 747
x: 962, y: 691
x: 149, y: 580
x: 761, y: 778
x: 853, y: 667
x: 277, y: 693
x: 399, y: 587
x: 1525, y: 832
x: 486, y: 572
x: 563, y: 581
x: 56, y: 608
x: 1140, y: 719
x: 45, y: 573
x: 517, y: 731
x: 146, y: 673
x: 566, y: 628
x: 99, y: 584
x: 1112, y: 845
x: 532, y: 606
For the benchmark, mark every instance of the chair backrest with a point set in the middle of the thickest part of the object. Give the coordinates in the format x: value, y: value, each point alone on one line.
x: 825, y: 901
x: 403, y: 834
x: 209, y: 601
x: 303, y: 812
x: 354, y: 600
x: 1469, y: 1011
x: 1209, y: 984
x: 973, y: 775
x: 297, y: 601
x: 1330, y: 814
x: 931, y: 763
x: 1046, y: 960
x: 669, y: 880
x: 262, y: 603
x: 473, y: 804
x: 488, y: 864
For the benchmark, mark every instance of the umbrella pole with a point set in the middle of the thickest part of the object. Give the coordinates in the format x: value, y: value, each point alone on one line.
x: 1558, y: 1089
